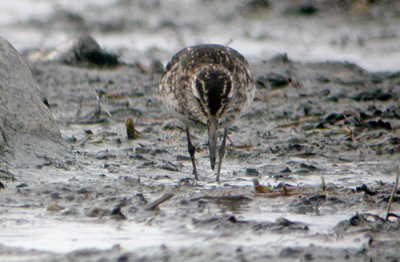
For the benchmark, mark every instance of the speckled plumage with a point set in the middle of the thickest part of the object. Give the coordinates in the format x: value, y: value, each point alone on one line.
x: 207, y: 86
x: 181, y: 98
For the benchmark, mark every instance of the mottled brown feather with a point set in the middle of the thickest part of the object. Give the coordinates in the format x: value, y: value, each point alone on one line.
x: 182, y: 96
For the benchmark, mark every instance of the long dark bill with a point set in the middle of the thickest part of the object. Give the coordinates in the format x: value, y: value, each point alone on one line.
x: 212, y: 139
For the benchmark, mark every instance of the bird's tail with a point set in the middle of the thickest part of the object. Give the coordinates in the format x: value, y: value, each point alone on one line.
x: 212, y: 139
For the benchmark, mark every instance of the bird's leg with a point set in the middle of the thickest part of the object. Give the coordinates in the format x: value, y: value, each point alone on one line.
x: 221, y: 153
x: 192, y: 150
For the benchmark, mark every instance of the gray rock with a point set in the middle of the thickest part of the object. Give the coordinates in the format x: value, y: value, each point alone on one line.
x: 28, y: 132
x: 82, y: 51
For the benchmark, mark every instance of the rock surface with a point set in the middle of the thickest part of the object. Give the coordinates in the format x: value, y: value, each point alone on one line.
x: 80, y: 51
x: 27, y: 128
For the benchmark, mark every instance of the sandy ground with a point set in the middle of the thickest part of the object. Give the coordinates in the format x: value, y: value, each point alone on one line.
x: 321, y: 137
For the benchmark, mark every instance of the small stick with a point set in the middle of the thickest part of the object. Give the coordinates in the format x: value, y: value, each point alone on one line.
x: 105, y: 109
x: 323, y: 186
x: 159, y: 201
x: 234, y: 198
x: 392, y: 194
x: 362, y: 219
x: 99, y: 106
x: 79, y: 111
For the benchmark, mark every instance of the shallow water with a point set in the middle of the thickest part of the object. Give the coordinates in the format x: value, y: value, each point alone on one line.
x: 63, y: 236
x: 42, y: 230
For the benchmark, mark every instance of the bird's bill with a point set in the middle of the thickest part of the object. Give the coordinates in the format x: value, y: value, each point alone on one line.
x: 212, y: 140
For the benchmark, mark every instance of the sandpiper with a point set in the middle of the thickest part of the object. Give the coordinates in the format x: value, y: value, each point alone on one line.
x: 207, y: 86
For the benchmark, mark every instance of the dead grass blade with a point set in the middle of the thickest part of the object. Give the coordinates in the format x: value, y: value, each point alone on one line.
x: 396, y: 184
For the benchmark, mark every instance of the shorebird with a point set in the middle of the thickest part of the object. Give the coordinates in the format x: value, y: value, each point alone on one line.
x: 207, y: 86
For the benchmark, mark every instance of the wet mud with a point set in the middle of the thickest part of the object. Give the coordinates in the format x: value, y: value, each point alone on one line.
x: 309, y: 172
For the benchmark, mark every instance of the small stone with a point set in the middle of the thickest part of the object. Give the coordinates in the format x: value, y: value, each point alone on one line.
x: 22, y: 185
x: 257, y: 4
x: 55, y: 195
x: 252, y: 172
x: 307, y: 8
x: 97, y: 212
x: 308, y: 167
x: 273, y: 80
x: 286, y: 170
x: 83, y: 191
x: 376, y: 94
x: 54, y: 207
x: 117, y: 214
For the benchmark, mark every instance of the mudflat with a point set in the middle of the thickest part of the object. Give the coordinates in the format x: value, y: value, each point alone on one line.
x: 321, y: 138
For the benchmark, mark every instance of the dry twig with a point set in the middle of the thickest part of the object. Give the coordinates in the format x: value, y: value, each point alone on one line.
x: 396, y: 184
x: 159, y: 201
x: 323, y: 186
